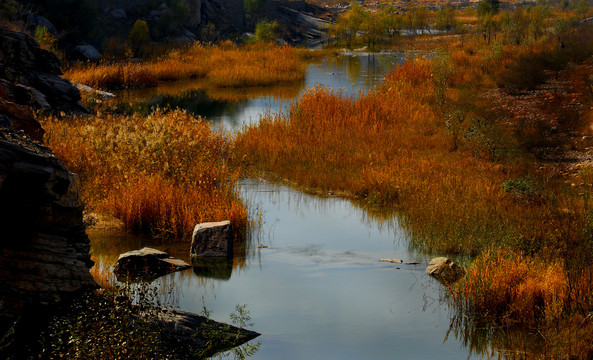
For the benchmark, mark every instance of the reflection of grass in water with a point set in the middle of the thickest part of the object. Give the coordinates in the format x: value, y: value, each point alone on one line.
x: 184, y: 88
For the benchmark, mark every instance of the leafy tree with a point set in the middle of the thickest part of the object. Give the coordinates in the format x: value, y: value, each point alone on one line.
x: 352, y: 21
x: 417, y: 18
x: 445, y: 18
x: 373, y: 25
x: 582, y: 7
x: 484, y: 8
x: 139, y: 36
x: 538, y: 16
x: 392, y: 21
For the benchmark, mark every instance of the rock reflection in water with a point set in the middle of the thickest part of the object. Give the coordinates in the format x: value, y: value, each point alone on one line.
x: 213, y: 267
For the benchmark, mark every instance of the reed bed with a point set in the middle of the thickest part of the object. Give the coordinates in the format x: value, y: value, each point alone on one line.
x: 161, y: 174
x: 463, y: 173
x: 390, y: 148
x: 224, y: 65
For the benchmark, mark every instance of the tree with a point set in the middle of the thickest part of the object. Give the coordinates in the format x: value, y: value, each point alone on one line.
x: 392, y: 21
x: 538, y: 16
x: 374, y: 27
x: 446, y: 18
x: 582, y: 7
x: 352, y: 21
x: 484, y: 8
x: 139, y: 36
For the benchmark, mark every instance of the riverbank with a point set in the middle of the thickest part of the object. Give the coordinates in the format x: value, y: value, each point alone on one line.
x: 469, y: 177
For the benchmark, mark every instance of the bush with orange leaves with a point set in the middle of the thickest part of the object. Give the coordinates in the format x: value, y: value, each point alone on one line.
x: 511, y: 288
x: 161, y: 174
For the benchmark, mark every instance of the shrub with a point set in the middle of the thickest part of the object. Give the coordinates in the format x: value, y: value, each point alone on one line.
x: 266, y: 30
x: 139, y: 36
x: 523, y: 188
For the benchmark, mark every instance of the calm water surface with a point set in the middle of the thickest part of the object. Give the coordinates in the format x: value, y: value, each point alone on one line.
x: 318, y: 290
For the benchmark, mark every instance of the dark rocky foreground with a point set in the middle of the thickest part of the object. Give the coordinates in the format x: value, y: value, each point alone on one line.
x: 44, y: 250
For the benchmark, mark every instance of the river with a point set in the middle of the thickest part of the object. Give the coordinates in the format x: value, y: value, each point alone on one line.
x: 317, y: 290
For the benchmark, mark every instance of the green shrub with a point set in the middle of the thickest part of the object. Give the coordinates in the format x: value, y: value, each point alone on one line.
x: 266, y: 30
x: 139, y: 36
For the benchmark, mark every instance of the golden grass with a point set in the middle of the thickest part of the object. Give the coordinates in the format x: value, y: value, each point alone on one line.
x: 224, y: 65
x: 512, y: 288
x: 161, y: 174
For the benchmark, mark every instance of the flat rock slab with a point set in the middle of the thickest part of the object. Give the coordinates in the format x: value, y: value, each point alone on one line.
x: 212, y: 239
x: 190, y: 331
x: 146, y: 264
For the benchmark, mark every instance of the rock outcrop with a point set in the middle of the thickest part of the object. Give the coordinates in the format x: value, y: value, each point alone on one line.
x: 444, y: 270
x: 30, y: 80
x: 303, y: 22
x: 44, y: 250
x: 213, y: 239
x: 146, y: 264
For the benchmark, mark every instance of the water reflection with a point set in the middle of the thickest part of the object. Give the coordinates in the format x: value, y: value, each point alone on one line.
x: 234, y: 107
x: 213, y: 268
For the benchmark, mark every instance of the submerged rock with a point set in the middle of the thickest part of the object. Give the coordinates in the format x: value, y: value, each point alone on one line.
x: 444, y: 269
x: 213, y: 239
x: 147, y: 264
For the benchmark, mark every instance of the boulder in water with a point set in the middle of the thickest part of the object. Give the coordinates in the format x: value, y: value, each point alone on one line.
x: 212, y: 239
x: 147, y: 264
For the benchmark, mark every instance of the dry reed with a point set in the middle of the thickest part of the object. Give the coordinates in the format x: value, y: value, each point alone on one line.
x: 161, y: 174
x: 224, y: 65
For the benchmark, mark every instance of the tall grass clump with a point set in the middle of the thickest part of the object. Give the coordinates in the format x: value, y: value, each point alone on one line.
x: 511, y: 288
x: 161, y: 174
x: 223, y: 65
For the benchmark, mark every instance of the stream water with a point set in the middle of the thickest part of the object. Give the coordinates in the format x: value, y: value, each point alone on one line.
x: 318, y: 291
